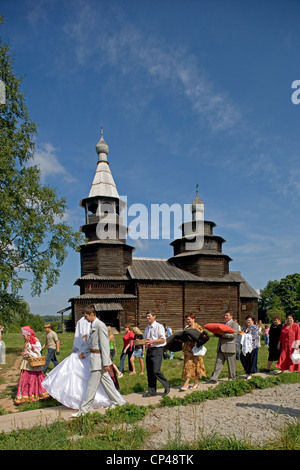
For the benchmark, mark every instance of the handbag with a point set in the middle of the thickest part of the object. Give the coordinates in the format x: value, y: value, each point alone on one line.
x: 295, y: 357
x: 199, y: 351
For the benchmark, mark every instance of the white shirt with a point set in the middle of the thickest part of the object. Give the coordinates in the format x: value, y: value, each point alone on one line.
x: 155, y: 331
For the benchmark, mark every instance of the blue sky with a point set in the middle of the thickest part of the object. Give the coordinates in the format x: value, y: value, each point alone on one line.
x: 188, y: 93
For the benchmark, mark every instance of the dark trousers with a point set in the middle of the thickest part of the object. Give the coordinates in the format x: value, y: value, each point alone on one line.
x: 50, y: 357
x: 249, y: 361
x: 153, y: 364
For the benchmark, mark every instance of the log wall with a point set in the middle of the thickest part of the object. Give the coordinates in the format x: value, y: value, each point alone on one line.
x: 172, y: 302
x: 110, y: 260
x: 248, y: 307
x: 163, y: 299
x: 210, y: 302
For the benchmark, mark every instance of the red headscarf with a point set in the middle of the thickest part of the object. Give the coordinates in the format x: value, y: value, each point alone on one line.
x: 26, y: 330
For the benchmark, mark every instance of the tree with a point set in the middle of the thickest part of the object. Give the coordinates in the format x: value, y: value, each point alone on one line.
x: 33, y: 237
x: 281, y: 297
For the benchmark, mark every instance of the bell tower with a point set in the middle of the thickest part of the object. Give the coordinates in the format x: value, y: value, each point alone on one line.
x: 199, y: 251
x: 105, y: 252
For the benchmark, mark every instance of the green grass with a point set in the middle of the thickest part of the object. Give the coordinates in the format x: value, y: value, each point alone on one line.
x: 119, y: 428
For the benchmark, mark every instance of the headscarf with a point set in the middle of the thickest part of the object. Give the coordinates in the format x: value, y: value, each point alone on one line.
x: 27, y: 331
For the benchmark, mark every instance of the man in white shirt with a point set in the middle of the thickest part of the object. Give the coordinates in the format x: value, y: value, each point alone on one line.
x: 155, y: 340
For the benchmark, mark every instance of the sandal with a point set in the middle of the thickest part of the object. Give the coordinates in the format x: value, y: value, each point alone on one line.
x: 183, y: 389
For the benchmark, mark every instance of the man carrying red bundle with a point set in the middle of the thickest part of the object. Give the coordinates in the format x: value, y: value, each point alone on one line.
x: 226, y: 350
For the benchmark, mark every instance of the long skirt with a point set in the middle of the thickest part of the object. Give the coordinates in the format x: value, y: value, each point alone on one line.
x: 249, y: 361
x: 30, y: 387
x: 193, y: 366
x: 285, y: 362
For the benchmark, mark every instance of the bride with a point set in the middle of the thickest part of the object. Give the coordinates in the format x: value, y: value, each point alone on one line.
x: 68, y: 381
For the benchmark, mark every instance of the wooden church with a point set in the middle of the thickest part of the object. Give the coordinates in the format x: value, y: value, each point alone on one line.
x: 196, y: 279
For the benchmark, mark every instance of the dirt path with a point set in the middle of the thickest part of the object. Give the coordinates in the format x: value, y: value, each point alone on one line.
x: 254, y: 417
x: 11, y: 378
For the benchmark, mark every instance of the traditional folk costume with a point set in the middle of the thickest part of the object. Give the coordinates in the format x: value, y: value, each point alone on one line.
x: 30, y: 387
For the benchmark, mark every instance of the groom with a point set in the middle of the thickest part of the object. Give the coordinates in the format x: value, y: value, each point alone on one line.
x: 98, y: 347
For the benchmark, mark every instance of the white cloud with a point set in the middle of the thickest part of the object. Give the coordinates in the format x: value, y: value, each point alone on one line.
x: 131, y: 51
x: 141, y: 245
x: 45, y: 158
x: 154, y: 68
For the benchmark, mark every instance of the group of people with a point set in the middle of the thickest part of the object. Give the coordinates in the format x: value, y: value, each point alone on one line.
x: 88, y: 378
x: 134, y: 347
x: 150, y: 343
x: 132, y: 350
x: 283, y: 339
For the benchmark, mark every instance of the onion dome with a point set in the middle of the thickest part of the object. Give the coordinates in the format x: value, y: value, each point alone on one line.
x: 102, y: 148
x: 197, y: 205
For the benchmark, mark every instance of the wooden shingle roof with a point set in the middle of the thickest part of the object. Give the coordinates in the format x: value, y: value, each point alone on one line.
x: 111, y: 307
x: 153, y: 269
x: 95, y: 277
x: 99, y: 297
x: 246, y: 291
x: 157, y: 269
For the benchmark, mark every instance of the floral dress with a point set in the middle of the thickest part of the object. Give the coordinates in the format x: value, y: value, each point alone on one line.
x: 193, y: 366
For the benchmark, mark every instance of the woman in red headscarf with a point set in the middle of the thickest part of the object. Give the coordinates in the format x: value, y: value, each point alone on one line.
x: 30, y: 382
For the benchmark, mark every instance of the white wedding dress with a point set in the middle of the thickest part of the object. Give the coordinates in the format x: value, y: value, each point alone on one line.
x: 68, y: 381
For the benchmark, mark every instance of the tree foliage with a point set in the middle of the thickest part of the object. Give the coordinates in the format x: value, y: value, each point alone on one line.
x: 281, y: 297
x: 17, y: 314
x: 33, y: 236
